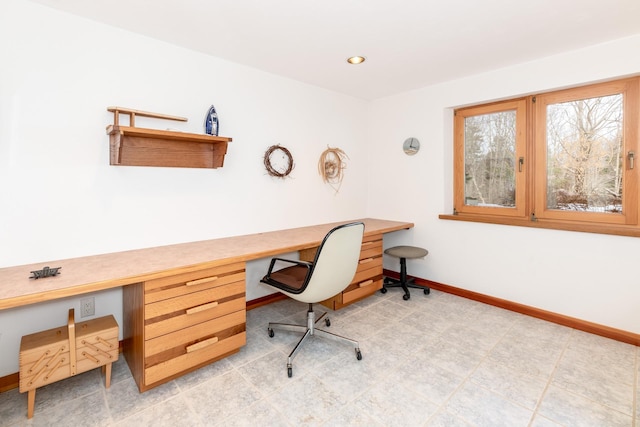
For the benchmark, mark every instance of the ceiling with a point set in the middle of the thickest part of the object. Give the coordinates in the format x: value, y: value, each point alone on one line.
x: 408, y: 43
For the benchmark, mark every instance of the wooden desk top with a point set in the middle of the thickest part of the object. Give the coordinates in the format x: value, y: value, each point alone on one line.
x: 99, y: 272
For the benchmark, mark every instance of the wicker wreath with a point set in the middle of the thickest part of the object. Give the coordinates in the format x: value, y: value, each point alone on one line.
x: 331, y: 167
x: 286, y: 154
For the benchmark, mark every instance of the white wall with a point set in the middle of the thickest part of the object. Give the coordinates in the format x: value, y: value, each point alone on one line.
x: 60, y: 198
x: 588, y: 276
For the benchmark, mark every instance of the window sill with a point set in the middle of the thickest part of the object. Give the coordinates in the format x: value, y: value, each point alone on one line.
x: 584, y: 227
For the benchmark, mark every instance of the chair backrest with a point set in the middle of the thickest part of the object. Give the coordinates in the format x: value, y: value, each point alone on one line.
x: 335, y: 263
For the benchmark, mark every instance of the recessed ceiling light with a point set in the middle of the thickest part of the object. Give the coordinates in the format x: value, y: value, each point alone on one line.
x: 356, y: 60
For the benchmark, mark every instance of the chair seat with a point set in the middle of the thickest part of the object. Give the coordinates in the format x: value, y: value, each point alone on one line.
x: 407, y: 252
x: 292, y: 277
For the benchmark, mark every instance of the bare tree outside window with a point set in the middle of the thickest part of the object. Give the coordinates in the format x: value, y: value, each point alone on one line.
x: 584, y: 155
x: 490, y: 147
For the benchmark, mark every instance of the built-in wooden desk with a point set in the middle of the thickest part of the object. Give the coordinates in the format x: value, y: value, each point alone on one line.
x: 184, y: 304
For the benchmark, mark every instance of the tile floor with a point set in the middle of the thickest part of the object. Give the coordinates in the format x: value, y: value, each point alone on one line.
x: 436, y: 360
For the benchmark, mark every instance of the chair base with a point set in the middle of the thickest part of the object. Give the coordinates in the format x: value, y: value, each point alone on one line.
x: 404, y: 282
x: 308, y: 330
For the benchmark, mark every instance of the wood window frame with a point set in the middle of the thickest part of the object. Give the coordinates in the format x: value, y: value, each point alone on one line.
x: 520, y: 108
x: 530, y: 208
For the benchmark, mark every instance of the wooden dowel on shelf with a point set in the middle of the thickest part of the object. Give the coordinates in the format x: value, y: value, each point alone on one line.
x: 132, y: 115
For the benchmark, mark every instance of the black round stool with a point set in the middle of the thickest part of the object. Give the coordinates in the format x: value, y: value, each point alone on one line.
x: 404, y: 253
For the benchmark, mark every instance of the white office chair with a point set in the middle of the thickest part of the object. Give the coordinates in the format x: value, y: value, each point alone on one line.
x: 330, y: 273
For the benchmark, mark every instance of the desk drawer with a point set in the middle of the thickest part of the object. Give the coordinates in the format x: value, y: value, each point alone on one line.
x: 371, y: 247
x: 165, y: 370
x: 182, y: 319
x: 195, y: 281
x: 356, y: 291
x: 191, y: 347
x: 368, y: 268
x: 196, y: 301
x: 175, y: 343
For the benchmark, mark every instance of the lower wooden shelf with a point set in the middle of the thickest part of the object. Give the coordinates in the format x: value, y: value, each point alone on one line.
x: 133, y: 146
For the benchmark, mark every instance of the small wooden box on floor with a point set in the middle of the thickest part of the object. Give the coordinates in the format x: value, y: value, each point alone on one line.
x: 59, y: 353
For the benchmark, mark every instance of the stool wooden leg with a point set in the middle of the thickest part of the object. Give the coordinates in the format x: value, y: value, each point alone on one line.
x: 107, y: 375
x: 31, y: 401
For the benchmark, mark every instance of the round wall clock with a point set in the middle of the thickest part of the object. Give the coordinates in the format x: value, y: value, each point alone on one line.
x: 411, y: 146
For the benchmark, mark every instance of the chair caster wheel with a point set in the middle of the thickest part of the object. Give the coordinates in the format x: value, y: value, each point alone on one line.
x: 358, y: 354
x: 327, y: 322
x: 406, y: 297
x: 289, y: 371
x: 427, y: 291
x: 270, y: 331
x: 383, y: 290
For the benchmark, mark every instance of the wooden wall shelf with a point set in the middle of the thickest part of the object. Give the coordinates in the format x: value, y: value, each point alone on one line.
x: 133, y: 146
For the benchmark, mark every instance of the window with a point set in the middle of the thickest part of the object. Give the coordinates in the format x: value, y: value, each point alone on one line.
x: 489, y: 143
x: 563, y: 159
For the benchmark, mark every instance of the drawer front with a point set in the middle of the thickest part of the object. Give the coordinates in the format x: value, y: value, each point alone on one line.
x: 184, y: 287
x: 102, y: 331
x: 371, y: 249
x: 361, y: 289
x: 97, y: 349
x: 187, y: 318
x: 194, y: 301
x: 372, y: 238
x: 89, y: 358
x: 200, y: 353
x: 368, y: 268
x: 182, y: 278
x: 44, y: 366
x: 178, y: 342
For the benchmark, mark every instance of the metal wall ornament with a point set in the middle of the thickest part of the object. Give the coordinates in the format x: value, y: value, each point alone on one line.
x: 331, y: 167
x: 45, y: 272
x: 278, y: 161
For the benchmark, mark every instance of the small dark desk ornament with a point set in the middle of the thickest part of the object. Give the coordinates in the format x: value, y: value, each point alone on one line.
x: 45, y: 272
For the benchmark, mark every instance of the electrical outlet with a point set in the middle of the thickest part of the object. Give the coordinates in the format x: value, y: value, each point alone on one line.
x: 87, y: 307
